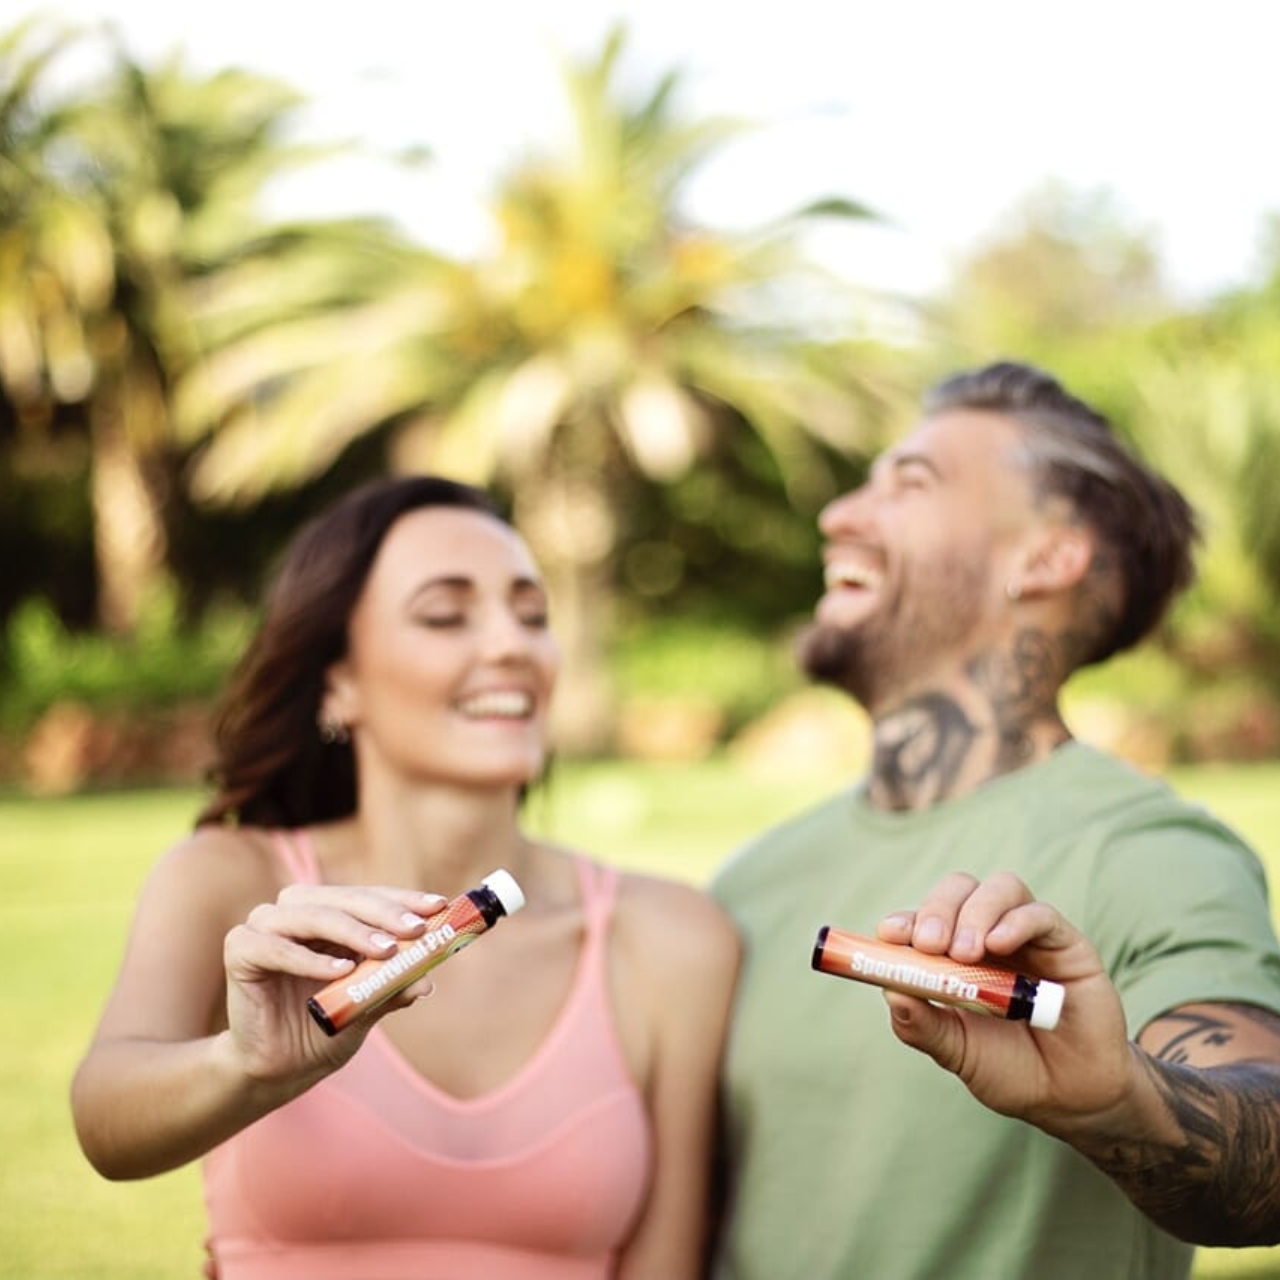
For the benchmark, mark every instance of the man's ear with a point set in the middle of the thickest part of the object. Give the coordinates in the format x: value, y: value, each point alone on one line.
x: 1057, y: 561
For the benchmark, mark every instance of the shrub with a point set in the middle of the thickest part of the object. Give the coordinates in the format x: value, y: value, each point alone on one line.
x: 160, y: 665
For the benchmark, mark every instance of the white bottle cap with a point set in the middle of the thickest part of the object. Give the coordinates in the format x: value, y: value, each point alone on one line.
x: 503, y: 886
x: 1048, y: 1004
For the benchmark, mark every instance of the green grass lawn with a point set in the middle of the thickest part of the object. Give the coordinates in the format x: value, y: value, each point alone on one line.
x: 69, y: 871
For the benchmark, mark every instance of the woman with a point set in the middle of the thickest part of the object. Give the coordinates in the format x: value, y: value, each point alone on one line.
x: 548, y: 1112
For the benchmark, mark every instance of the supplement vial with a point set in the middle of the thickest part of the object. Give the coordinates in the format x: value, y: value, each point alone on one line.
x: 986, y: 988
x: 454, y: 926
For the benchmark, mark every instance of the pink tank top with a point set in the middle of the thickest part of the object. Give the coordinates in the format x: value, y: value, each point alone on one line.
x: 376, y: 1174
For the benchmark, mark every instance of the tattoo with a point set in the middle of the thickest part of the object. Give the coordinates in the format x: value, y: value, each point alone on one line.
x: 1021, y: 689
x: 923, y: 747
x: 920, y: 749
x: 1195, y: 1029
x: 1216, y: 1182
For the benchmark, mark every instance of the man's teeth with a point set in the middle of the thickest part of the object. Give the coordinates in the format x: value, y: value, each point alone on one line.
x: 509, y: 705
x: 847, y: 575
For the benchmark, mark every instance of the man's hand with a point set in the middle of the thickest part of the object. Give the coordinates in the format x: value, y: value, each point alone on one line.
x: 1056, y: 1079
x: 1186, y: 1121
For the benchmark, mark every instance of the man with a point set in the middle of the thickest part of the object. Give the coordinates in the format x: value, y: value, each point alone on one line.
x: 1007, y: 542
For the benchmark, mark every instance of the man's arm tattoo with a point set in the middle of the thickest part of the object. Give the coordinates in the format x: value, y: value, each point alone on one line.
x: 1218, y: 1182
x: 1192, y: 1029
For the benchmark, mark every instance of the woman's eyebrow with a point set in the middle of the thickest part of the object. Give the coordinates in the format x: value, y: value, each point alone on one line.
x: 521, y: 584
x: 453, y: 582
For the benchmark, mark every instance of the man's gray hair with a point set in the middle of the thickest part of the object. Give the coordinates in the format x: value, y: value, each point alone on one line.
x: 1146, y: 528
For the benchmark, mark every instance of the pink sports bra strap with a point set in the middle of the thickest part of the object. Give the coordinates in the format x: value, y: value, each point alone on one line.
x: 599, y: 883
x: 599, y: 891
x: 298, y: 855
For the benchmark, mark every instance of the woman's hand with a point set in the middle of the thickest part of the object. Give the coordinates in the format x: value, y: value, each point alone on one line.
x: 1058, y: 1080
x: 287, y: 950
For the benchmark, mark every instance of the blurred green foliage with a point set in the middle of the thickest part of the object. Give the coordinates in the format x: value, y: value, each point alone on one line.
x: 739, y: 674
x: 203, y: 357
x: 160, y: 664
x: 184, y: 380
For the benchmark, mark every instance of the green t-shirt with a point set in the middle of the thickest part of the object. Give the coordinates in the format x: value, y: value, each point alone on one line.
x: 851, y: 1156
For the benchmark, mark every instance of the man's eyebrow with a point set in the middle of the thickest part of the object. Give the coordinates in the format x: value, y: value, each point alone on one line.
x: 901, y: 461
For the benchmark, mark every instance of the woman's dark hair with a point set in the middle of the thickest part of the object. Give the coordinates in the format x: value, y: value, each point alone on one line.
x: 271, y: 766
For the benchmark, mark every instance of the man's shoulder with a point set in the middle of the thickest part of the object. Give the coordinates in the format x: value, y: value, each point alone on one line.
x: 754, y: 865
x: 1137, y: 799
x: 1097, y: 785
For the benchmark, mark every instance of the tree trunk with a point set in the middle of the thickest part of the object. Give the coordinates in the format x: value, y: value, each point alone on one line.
x: 129, y: 538
x: 570, y: 532
x: 584, y: 712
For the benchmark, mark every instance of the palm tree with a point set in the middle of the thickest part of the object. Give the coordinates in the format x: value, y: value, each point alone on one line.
x: 56, y: 257
x: 132, y: 246
x: 1206, y: 409
x: 55, y: 260
x: 605, y: 338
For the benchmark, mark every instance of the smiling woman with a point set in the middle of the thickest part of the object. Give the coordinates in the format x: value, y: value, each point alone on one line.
x: 373, y: 751
x: 450, y: 663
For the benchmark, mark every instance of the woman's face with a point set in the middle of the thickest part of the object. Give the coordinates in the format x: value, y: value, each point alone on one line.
x: 450, y: 663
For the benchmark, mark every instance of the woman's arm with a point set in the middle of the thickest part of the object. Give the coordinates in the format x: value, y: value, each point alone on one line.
x: 684, y: 953
x: 206, y: 1028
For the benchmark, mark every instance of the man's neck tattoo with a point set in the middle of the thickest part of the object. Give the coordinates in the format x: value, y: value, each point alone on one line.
x: 919, y: 752
x: 931, y: 748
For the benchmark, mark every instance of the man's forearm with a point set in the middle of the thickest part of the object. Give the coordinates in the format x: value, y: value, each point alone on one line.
x: 1206, y: 1172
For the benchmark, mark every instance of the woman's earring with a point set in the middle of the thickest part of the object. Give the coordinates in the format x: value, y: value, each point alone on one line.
x: 332, y: 731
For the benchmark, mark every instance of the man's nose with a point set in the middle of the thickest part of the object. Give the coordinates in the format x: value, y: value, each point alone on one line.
x: 844, y: 514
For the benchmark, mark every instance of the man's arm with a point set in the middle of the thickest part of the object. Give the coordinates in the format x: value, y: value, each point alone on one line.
x: 1211, y: 1173
x: 1186, y: 1120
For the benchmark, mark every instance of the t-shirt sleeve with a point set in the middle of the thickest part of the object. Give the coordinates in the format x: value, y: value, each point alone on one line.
x: 1180, y: 913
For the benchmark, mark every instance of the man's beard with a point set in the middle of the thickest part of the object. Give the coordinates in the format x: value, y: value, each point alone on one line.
x: 875, y: 658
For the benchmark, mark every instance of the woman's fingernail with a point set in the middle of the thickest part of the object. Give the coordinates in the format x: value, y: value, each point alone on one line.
x: 411, y: 921
x: 381, y: 940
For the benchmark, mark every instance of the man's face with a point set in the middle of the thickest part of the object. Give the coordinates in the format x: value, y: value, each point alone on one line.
x: 917, y: 559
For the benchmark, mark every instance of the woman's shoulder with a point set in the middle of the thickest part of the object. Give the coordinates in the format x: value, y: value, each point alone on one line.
x: 675, y: 918
x: 221, y: 863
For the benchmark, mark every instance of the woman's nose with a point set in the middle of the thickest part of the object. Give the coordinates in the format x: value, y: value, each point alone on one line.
x: 506, y: 636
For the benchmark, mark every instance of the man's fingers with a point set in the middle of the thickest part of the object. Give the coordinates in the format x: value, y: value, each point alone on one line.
x: 935, y: 917
x: 968, y: 918
x: 937, y: 1033
x: 1033, y: 924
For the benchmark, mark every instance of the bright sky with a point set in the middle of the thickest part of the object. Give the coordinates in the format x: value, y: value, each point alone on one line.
x: 940, y: 114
